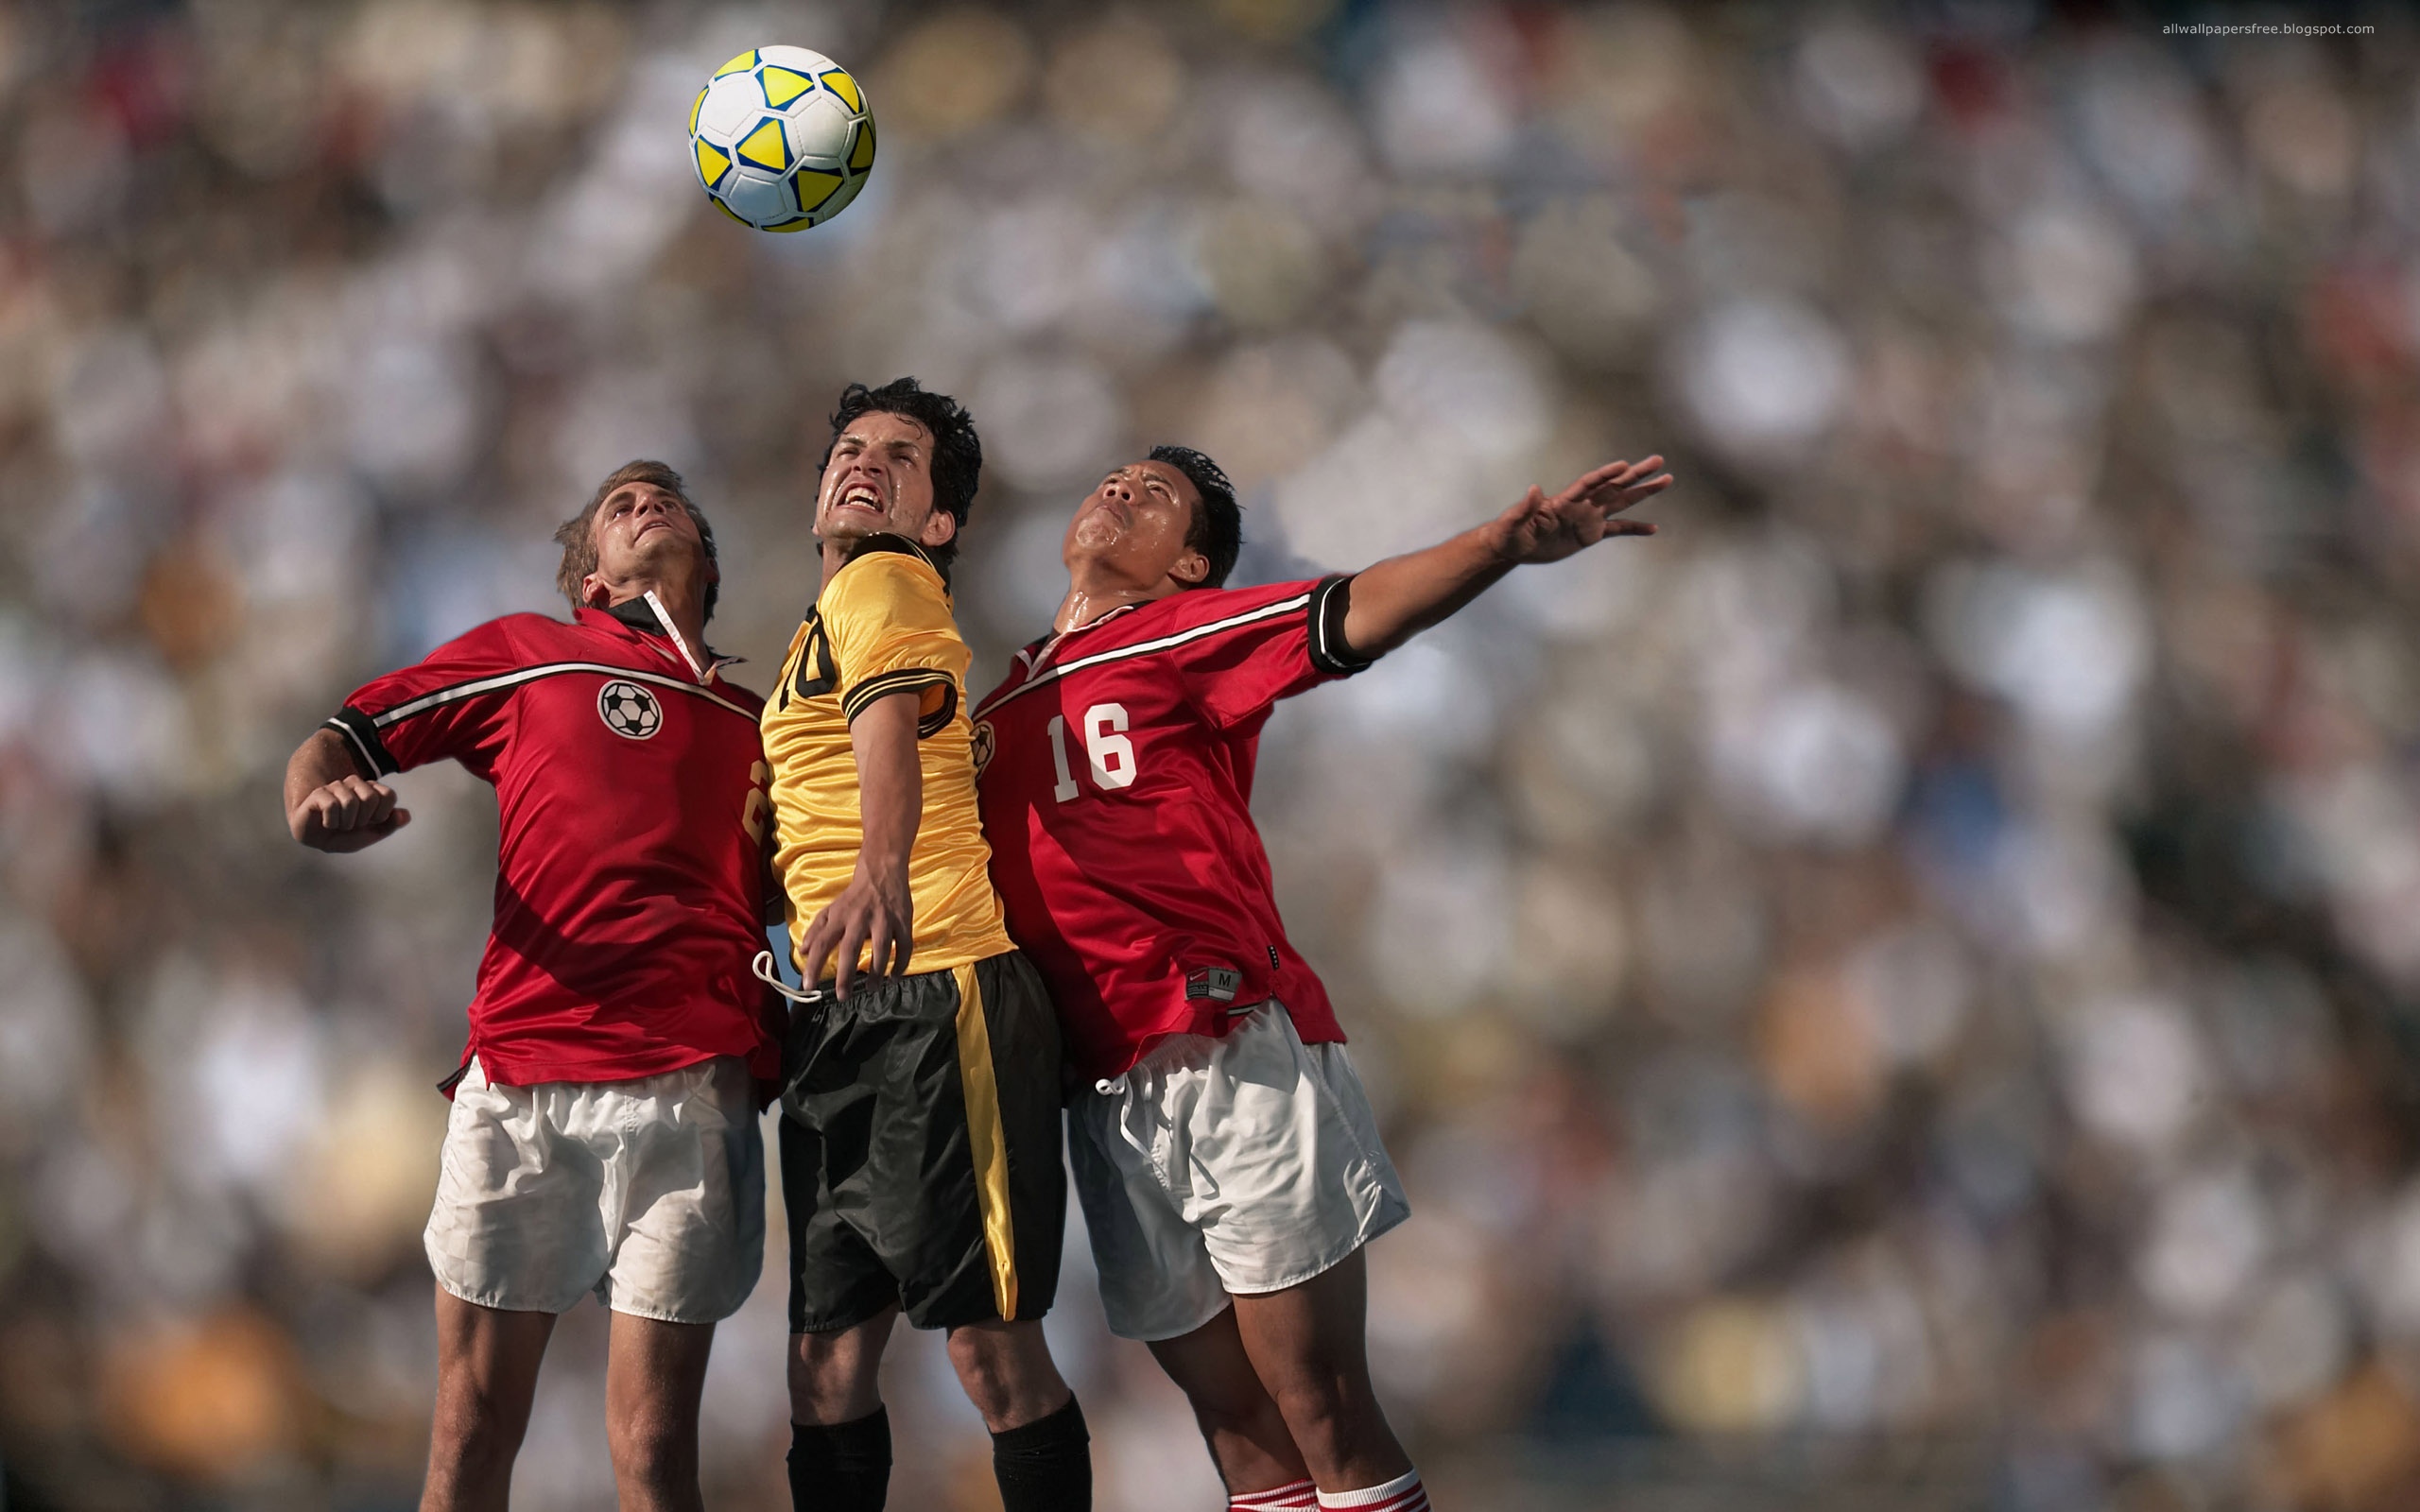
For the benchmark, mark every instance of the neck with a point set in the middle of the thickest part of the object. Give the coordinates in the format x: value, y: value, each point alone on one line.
x: 836, y: 554
x: 1095, y: 590
x: 683, y: 600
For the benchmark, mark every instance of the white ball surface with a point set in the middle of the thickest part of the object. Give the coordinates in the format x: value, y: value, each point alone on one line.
x: 782, y: 138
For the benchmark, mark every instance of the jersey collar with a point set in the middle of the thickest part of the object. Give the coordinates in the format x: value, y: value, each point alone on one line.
x: 645, y: 616
x: 1037, y: 651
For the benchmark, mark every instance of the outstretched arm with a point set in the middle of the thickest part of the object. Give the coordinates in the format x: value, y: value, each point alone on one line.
x: 329, y: 805
x: 1396, y: 599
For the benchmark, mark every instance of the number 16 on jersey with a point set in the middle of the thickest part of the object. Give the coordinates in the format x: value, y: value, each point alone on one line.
x: 1107, y: 750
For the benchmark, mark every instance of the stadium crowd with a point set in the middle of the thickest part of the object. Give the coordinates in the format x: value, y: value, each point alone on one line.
x: 1904, y: 988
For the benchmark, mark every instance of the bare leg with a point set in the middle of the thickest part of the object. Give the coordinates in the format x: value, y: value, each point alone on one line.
x: 1308, y: 1346
x: 654, y: 1375
x: 1239, y: 1421
x: 487, y: 1372
x: 1008, y: 1373
x: 836, y: 1376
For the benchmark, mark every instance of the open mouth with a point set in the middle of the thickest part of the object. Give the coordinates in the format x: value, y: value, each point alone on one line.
x: 860, y: 496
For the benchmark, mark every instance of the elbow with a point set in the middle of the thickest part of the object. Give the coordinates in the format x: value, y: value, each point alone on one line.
x: 1355, y: 645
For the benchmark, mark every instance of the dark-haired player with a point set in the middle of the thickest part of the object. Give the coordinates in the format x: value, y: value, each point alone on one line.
x: 921, y: 1137
x: 1226, y: 1158
x: 603, y: 1136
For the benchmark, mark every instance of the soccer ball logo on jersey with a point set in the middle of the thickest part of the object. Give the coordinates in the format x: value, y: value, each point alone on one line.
x: 980, y: 745
x: 629, y: 710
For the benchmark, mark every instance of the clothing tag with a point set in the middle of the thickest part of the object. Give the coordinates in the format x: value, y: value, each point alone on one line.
x: 1216, y: 983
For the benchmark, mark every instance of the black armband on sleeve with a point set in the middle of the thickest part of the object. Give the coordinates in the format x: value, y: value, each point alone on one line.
x: 362, y: 743
x: 1330, y: 652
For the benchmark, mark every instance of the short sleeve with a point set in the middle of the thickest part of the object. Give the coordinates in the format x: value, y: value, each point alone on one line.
x: 888, y: 621
x: 450, y: 704
x: 1266, y: 644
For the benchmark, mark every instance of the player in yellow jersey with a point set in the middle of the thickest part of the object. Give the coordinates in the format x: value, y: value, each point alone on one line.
x: 919, y: 1140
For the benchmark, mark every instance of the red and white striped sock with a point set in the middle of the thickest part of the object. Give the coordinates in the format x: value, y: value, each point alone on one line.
x: 1403, y: 1494
x: 1291, y: 1497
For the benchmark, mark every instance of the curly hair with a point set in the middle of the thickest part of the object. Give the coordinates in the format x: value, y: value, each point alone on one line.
x: 578, y: 539
x: 958, y: 451
x: 1218, y: 528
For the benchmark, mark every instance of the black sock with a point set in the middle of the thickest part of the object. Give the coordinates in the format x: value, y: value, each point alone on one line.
x: 844, y: 1467
x: 1047, y: 1466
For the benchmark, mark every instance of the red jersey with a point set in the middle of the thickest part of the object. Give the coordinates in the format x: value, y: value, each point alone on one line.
x: 632, y: 795
x: 1116, y: 765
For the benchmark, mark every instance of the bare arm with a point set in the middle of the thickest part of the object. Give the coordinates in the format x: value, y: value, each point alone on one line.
x: 329, y: 805
x: 877, y: 905
x: 1396, y: 599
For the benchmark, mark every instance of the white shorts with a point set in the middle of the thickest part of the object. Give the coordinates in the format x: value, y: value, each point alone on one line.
x: 649, y: 1193
x: 1222, y: 1165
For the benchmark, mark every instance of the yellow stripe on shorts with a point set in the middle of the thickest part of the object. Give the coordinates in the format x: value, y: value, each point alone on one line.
x: 986, y: 1141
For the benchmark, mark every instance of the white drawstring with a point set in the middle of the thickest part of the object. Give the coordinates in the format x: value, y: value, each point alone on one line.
x: 769, y: 973
x: 1123, y: 1107
x: 663, y: 617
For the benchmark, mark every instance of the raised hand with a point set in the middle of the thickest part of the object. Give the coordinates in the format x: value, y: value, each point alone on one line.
x: 347, y: 815
x: 1543, y: 527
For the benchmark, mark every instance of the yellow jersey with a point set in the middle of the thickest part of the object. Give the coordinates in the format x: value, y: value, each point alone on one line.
x: 881, y: 626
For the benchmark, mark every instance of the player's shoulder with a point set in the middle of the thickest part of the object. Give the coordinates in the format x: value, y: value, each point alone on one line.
x: 520, y: 637
x: 1197, y: 608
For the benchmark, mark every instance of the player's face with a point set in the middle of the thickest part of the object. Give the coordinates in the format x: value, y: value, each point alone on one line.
x: 1137, y: 520
x: 643, y: 532
x: 880, y: 478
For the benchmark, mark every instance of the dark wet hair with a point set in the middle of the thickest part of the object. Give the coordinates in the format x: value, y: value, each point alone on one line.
x: 958, y: 451
x: 578, y: 537
x: 1218, y: 530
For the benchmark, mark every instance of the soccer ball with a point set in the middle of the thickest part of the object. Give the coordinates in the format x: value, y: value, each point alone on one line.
x: 630, y: 710
x: 780, y: 138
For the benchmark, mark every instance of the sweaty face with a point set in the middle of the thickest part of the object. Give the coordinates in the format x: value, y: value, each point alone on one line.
x: 643, y: 531
x: 880, y: 478
x: 1136, y: 520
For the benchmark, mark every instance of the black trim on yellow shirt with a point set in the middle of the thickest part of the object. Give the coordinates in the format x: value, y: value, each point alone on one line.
x: 882, y: 540
x: 904, y: 680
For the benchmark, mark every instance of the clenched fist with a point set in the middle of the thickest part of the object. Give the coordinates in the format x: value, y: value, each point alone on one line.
x: 346, y: 815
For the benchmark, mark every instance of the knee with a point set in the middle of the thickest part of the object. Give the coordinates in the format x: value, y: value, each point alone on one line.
x: 1007, y: 1374
x: 474, y: 1430
x: 1317, y: 1407
x: 987, y: 1374
x: 653, y: 1448
x: 831, y: 1381
x: 1256, y: 1419
x: 1233, y: 1408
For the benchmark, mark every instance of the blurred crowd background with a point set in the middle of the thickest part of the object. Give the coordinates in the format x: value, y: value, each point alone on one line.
x: 1902, y: 991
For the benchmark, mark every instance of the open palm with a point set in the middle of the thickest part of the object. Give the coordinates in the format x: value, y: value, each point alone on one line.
x: 1548, y: 527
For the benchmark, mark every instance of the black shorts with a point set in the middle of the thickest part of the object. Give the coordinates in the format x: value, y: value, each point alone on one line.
x: 921, y: 1150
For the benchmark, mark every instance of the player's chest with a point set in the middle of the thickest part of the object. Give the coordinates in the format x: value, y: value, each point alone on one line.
x: 1120, y: 737
x: 630, y: 724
